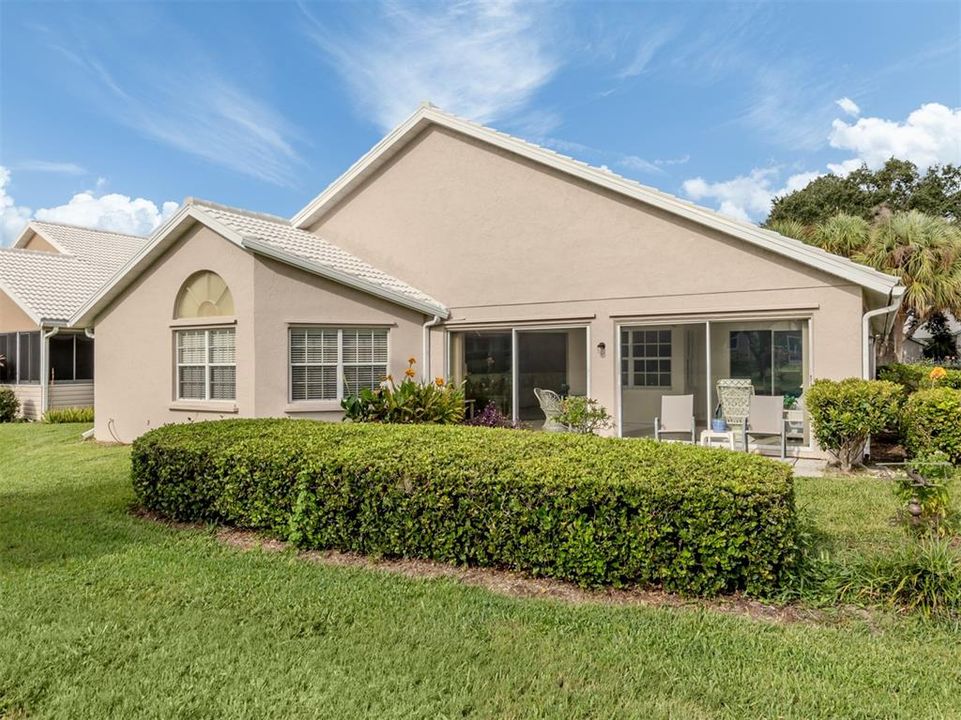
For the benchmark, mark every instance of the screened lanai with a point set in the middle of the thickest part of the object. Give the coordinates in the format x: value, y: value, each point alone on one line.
x: 689, y: 358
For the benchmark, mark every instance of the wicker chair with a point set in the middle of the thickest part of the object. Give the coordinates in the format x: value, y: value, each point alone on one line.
x: 551, y: 405
x: 734, y: 396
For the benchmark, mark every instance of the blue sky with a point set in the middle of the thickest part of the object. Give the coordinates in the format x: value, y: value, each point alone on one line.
x: 112, y: 113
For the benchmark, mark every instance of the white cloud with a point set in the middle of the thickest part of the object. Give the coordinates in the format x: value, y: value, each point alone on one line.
x: 482, y: 60
x: 639, y: 164
x: 45, y: 166
x: 212, y: 117
x: 645, y: 52
x: 113, y: 211
x: 116, y: 212
x: 13, y: 218
x: 746, y: 197
x: 931, y: 134
x: 849, y: 106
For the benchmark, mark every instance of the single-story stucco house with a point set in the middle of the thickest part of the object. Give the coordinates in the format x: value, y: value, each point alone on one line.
x: 494, y: 262
x: 45, y: 277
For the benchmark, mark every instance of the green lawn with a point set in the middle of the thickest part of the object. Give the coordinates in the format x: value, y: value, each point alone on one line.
x: 105, y: 615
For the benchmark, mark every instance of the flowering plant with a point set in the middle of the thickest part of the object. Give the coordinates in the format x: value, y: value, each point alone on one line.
x: 409, y: 402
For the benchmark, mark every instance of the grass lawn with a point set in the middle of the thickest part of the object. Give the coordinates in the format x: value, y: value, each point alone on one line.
x: 106, y: 615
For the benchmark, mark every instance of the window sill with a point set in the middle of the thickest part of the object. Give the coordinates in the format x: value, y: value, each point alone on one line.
x: 211, y: 406
x: 306, y: 406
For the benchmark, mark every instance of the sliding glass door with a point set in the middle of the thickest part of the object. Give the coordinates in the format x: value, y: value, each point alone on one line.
x: 772, y: 359
x: 504, y: 367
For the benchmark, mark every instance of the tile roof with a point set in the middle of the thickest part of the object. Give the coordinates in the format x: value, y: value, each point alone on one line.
x: 51, y: 287
x: 279, y: 234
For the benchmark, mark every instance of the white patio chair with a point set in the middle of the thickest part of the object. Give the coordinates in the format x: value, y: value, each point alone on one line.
x: 677, y: 416
x: 766, y: 419
x: 734, y: 396
x: 551, y: 405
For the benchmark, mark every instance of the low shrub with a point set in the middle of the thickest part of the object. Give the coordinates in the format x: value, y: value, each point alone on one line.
x: 408, y: 402
x: 932, y: 423
x: 9, y: 405
x: 582, y: 414
x: 917, y: 376
x: 69, y: 415
x: 845, y: 413
x: 924, y: 494
x: 592, y: 510
x: 923, y: 576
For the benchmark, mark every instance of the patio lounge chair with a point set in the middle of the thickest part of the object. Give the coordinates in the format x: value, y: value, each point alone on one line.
x: 734, y: 396
x: 766, y: 418
x: 677, y: 416
x: 551, y: 405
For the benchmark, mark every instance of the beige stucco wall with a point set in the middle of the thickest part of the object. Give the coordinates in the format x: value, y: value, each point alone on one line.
x: 12, y: 317
x: 286, y: 297
x: 135, y: 342
x: 134, y: 348
x: 36, y: 242
x: 503, y: 241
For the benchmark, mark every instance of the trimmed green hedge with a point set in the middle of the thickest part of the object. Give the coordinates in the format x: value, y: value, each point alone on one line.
x: 932, y: 423
x: 592, y: 510
x: 914, y: 376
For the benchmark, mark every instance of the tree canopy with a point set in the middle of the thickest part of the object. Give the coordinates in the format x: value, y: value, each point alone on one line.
x: 865, y: 193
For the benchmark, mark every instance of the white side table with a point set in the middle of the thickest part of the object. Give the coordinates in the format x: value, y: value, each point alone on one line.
x: 710, y: 438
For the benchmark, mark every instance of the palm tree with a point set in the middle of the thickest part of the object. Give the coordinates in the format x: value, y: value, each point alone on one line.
x: 842, y: 234
x: 925, y: 252
x: 790, y: 228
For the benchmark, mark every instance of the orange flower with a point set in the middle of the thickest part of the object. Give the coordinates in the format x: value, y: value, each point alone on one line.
x: 439, y: 381
x: 409, y: 372
x: 412, y: 361
x: 938, y: 373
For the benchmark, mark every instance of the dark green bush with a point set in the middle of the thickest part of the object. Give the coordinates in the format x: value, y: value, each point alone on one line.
x: 845, y: 413
x: 582, y: 508
x: 9, y: 405
x: 932, y: 423
x: 69, y: 415
x: 916, y: 376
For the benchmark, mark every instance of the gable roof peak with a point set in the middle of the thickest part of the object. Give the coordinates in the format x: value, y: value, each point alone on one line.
x: 426, y: 115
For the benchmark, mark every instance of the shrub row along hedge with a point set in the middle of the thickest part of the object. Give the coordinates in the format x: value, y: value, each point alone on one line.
x: 914, y: 376
x: 932, y: 423
x: 591, y: 510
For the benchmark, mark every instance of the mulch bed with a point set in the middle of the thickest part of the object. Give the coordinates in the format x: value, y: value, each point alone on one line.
x: 518, y: 585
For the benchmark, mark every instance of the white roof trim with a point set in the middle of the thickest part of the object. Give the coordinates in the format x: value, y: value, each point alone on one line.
x: 144, y: 257
x: 315, y: 268
x: 32, y: 227
x: 191, y: 212
x: 27, y: 310
x: 428, y: 114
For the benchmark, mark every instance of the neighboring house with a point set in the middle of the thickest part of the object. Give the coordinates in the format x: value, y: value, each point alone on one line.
x: 494, y: 262
x: 45, y: 277
x: 914, y: 347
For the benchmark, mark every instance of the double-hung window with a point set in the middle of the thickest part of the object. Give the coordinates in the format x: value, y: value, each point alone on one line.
x: 330, y: 363
x: 206, y: 364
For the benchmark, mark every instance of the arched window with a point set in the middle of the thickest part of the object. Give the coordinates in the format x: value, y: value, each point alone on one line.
x: 204, y: 294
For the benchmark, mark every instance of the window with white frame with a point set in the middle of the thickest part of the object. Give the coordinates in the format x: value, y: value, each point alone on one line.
x: 329, y: 363
x: 646, y: 358
x: 206, y: 364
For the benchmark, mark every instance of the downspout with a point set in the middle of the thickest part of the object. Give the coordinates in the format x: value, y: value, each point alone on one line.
x: 88, y: 332
x: 866, y: 330
x: 44, y: 369
x: 437, y: 320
